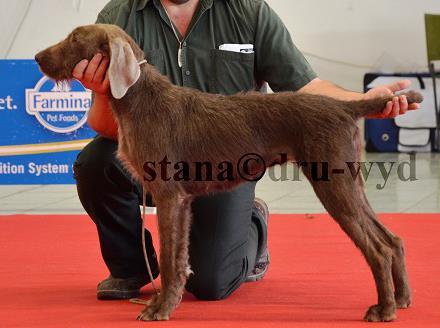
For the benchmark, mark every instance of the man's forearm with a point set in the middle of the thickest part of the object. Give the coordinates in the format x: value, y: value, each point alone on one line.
x: 398, y: 105
x: 326, y: 88
x: 100, y: 117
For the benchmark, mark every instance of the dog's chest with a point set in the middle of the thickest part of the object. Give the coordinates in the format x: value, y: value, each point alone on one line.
x: 127, y: 155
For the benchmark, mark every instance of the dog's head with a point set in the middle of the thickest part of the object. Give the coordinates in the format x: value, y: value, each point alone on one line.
x: 59, y: 60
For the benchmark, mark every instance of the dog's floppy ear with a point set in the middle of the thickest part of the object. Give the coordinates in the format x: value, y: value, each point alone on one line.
x: 124, y: 70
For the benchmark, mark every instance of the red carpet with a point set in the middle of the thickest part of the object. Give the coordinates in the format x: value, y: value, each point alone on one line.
x: 50, y: 266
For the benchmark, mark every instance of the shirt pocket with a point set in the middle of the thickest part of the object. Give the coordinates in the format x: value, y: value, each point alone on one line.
x: 232, y: 72
x: 155, y: 57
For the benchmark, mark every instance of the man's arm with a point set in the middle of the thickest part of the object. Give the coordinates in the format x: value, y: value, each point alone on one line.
x: 398, y: 106
x: 327, y: 88
x: 101, y: 118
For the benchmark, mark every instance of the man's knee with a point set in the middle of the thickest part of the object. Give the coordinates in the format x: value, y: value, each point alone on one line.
x: 208, y: 287
x: 215, y: 282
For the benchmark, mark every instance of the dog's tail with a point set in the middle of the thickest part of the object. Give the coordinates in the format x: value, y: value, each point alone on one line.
x: 362, y: 108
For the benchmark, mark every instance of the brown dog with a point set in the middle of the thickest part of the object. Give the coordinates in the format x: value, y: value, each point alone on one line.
x: 162, y: 123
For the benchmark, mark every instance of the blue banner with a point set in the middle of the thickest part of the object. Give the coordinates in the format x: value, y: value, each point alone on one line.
x: 43, y: 125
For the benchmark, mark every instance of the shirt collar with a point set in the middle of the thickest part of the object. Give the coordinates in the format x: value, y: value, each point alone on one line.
x: 204, y: 3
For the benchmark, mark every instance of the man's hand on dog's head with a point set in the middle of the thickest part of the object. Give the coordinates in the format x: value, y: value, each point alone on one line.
x: 93, y: 75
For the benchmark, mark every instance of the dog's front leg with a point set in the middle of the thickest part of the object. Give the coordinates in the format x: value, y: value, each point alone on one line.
x: 174, y: 224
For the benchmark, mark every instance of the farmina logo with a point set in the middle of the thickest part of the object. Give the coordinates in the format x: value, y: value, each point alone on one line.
x: 60, y: 107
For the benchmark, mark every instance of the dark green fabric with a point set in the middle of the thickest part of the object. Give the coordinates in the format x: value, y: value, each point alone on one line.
x: 275, y: 60
x: 433, y: 36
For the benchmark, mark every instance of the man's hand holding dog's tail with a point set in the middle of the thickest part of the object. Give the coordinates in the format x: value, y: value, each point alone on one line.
x: 399, y: 104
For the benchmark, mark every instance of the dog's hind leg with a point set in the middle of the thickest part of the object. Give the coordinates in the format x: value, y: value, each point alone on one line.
x: 402, y: 290
x: 341, y: 198
x: 174, y: 224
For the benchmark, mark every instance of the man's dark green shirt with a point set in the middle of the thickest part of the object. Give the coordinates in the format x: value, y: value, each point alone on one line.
x: 274, y: 59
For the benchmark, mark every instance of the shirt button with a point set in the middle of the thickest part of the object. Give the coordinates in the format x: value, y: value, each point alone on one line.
x: 184, y: 44
x: 188, y: 73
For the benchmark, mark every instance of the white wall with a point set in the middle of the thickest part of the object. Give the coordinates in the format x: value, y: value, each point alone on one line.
x: 381, y: 34
x: 47, y: 22
x: 386, y: 34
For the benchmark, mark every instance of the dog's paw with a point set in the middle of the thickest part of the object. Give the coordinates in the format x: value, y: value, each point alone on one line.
x: 378, y: 313
x: 149, y: 314
x: 156, y: 310
x: 403, y: 302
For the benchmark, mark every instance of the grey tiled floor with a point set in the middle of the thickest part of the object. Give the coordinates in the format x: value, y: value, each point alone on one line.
x: 421, y: 196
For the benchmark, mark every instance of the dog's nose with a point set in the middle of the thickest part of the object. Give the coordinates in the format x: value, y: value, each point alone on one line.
x: 38, y: 57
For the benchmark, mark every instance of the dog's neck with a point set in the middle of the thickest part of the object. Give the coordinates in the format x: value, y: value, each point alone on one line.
x: 151, y: 86
x: 152, y: 82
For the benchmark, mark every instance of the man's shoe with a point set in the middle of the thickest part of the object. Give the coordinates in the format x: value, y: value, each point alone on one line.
x: 262, y: 262
x: 121, y: 289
